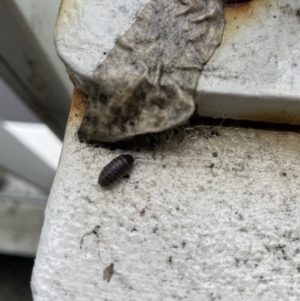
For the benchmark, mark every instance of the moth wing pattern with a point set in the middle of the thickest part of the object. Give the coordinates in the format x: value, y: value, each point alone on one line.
x: 147, y: 81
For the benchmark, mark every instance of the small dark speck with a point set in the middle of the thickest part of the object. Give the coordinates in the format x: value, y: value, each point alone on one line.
x: 164, y: 166
x: 76, y: 115
x: 214, y: 133
x: 2, y: 182
x: 274, y: 17
x: 127, y: 176
x: 211, y: 165
x: 108, y: 272
x: 283, y: 174
x: 215, y: 155
x: 175, y: 247
x: 298, y: 12
x: 183, y: 244
x: 298, y: 269
x: 96, y: 229
x: 142, y: 213
x: 170, y: 260
x: 134, y: 230
x: 104, y: 53
x: 155, y: 229
x: 112, y: 148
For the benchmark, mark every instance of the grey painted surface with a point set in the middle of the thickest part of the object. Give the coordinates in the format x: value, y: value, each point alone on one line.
x: 41, y: 17
x: 12, y: 108
x: 21, y: 221
x: 22, y: 208
x: 25, y: 67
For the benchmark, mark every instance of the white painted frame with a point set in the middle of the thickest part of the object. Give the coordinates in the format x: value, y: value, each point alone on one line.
x: 27, y: 70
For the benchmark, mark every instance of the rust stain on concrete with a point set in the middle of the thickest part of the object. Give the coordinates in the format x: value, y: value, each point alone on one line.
x: 239, y: 12
x: 78, y: 106
x: 236, y: 10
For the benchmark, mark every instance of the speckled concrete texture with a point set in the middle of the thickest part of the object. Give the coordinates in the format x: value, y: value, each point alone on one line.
x: 208, y: 213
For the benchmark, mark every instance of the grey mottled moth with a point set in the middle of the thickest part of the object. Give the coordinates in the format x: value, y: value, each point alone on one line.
x: 146, y: 83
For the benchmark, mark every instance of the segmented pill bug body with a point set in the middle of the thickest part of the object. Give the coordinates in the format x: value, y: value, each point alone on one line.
x: 115, y: 170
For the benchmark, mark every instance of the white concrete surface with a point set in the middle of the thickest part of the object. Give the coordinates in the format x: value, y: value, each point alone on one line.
x: 85, y: 30
x: 254, y: 74
x: 208, y: 213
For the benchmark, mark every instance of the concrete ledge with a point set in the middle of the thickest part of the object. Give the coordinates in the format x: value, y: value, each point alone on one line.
x: 253, y: 75
x: 209, y: 213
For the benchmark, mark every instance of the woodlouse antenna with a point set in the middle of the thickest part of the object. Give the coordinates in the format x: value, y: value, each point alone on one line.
x: 136, y: 158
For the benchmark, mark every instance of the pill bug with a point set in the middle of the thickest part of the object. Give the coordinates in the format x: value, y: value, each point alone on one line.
x: 115, y: 170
